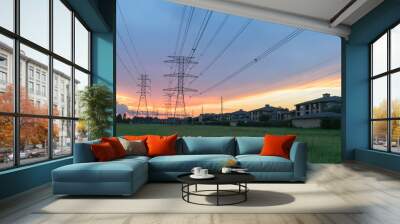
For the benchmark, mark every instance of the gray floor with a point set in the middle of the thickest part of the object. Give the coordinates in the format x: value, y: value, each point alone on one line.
x: 379, y: 189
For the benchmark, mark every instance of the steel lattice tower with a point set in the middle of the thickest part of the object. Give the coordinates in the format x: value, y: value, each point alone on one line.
x: 180, y: 89
x: 144, y: 85
x: 168, y: 104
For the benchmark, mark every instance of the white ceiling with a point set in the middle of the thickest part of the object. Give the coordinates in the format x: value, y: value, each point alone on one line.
x: 317, y: 15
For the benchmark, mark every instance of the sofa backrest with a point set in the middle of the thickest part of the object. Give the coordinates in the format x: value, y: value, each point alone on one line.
x: 249, y: 145
x: 207, y: 145
x: 83, y: 152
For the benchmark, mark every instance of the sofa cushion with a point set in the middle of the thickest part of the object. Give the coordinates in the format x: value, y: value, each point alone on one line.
x: 103, y: 152
x: 277, y: 145
x: 185, y: 163
x: 257, y: 163
x: 116, y: 145
x: 161, y: 145
x: 208, y: 145
x: 112, y: 171
x: 136, y: 147
x: 249, y: 145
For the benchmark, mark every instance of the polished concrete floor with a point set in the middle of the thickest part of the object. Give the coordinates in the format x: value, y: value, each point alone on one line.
x: 379, y: 191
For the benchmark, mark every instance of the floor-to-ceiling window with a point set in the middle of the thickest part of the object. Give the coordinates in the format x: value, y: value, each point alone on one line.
x: 44, y: 64
x: 385, y: 91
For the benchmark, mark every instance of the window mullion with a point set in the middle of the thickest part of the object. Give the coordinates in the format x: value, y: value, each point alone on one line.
x: 73, y: 82
x: 389, y: 104
x: 50, y: 80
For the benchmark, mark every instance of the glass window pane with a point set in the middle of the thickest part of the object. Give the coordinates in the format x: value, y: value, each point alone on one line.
x: 81, y: 82
x: 62, y: 89
x: 7, y: 14
x: 35, y: 21
x: 34, y: 80
x: 379, y: 98
x: 6, y: 142
x: 33, y: 139
x: 6, y: 74
x: 379, y: 56
x: 62, y: 138
x: 62, y: 29
x: 81, y: 131
x: 395, y: 94
x: 81, y: 45
x: 395, y: 136
x: 395, y: 47
x: 379, y: 135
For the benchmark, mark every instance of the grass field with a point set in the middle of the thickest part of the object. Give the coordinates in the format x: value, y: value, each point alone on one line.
x: 323, y: 144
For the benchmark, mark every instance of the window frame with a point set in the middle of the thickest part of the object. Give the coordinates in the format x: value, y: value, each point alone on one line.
x: 388, y: 74
x: 16, y: 114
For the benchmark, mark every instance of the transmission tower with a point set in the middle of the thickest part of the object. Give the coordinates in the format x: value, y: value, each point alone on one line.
x: 144, y: 85
x: 168, y: 104
x: 180, y: 76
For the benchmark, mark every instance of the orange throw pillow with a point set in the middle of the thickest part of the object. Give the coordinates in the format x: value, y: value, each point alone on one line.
x: 161, y: 145
x: 116, y: 145
x: 277, y: 145
x: 103, y: 152
x: 136, y: 137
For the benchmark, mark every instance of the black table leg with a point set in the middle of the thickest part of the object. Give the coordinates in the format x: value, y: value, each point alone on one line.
x: 195, y: 188
x: 245, y: 193
x: 217, y: 194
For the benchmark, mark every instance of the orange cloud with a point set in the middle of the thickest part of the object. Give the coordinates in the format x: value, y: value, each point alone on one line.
x: 285, y: 96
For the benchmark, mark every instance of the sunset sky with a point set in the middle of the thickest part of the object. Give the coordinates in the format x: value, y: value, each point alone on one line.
x: 303, y: 69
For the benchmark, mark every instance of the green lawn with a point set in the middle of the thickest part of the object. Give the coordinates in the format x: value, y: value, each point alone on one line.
x: 323, y: 144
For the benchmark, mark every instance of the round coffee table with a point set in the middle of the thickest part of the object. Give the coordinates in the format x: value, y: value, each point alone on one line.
x: 238, y: 179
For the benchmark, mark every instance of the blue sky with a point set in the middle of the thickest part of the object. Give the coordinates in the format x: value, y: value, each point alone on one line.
x: 303, y: 69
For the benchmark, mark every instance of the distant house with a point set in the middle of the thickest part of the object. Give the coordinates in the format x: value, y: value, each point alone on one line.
x: 268, y: 113
x: 208, y: 117
x: 311, y: 114
x: 238, y: 116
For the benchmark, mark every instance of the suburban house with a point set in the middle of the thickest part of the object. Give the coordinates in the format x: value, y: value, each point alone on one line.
x: 267, y: 113
x: 326, y: 103
x: 313, y: 113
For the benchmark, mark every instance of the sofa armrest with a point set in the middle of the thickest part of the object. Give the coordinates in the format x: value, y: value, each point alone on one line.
x: 298, y: 155
x: 83, y: 152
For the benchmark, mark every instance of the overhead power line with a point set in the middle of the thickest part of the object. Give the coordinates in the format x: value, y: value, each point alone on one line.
x: 201, y: 32
x: 187, y: 27
x: 261, y: 56
x: 131, y: 40
x: 221, y: 53
x: 178, y: 37
x: 129, y: 54
x: 130, y: 73
x: 214, y: 36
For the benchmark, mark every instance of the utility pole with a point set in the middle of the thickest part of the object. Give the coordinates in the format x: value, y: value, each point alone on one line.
x: 180, y: 89
x: 222, y: 108
x: 144, y: 90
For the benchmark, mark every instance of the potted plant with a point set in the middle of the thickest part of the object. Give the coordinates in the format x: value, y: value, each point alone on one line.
x: 96, y: 102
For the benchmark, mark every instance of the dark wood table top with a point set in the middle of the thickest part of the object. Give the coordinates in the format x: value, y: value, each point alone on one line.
x: 220, y: 178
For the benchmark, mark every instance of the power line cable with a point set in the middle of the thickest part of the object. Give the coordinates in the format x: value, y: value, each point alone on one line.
x: 261, y: 56
x: 212, y: 39
x: 130, y: 74
x: 201, y: 32
x: 221, y: 53
x: 190, y: 18
x: 129, y: 54
x: 131, y: 39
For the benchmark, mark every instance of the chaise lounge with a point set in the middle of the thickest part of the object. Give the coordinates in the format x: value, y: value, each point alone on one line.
x: 125, y: 176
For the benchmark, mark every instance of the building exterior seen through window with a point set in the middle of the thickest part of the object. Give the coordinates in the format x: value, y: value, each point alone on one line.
x: 385, y: 92
x: 44, y: 112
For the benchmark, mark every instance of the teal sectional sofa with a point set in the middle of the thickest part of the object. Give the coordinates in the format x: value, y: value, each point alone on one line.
x: 125, y: 176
